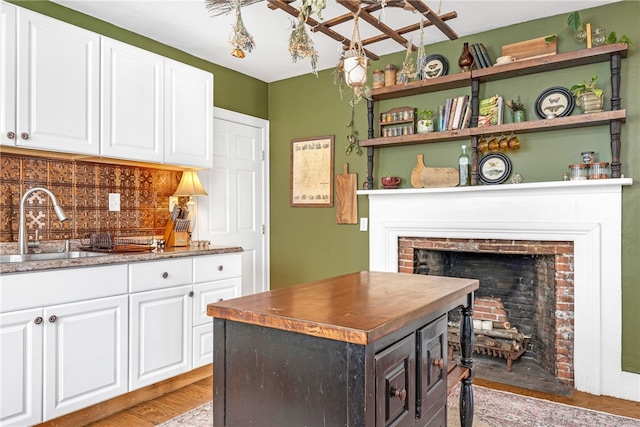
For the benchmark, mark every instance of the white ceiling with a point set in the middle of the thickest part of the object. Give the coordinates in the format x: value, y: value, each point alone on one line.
x: 190, y: 27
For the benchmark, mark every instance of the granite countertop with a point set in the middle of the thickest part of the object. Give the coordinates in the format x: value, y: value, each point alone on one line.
x: 156, y: 254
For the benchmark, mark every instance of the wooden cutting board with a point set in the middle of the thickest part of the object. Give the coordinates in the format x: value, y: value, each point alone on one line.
x: 439, y: 177
x: 416, y: 181
x: 346, y: 198
x: 529, y: 49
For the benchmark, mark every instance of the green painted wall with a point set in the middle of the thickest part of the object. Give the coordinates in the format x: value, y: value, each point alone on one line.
x: 232, y: 90
x: 307, y: 244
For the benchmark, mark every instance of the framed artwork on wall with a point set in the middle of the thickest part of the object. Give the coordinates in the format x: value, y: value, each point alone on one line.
x: 312, y: 172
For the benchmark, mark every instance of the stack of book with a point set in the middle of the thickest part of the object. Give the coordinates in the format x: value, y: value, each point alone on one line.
x: 490, y: 111
x: 457, y: 113
x: 480, y: 55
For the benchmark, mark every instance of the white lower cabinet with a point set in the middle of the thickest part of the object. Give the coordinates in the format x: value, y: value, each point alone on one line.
x: 160, y: 334
x: 85, y: 354
x: 21, y: 368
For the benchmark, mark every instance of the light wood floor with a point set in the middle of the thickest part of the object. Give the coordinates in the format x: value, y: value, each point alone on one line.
x: 175, y: 403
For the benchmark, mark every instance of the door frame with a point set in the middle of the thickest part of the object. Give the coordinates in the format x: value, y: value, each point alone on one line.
x: 263, y: 125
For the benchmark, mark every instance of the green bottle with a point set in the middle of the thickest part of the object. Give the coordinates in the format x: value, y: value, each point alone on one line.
x: 464, y: 168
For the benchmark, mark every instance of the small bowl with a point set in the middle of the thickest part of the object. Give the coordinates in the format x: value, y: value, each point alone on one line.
x: 550, y: 116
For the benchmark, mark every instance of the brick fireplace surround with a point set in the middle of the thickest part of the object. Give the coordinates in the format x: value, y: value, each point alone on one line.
x: 586, y: 213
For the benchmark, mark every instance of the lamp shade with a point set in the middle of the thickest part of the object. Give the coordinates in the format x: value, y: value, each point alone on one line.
x: 190, y: 185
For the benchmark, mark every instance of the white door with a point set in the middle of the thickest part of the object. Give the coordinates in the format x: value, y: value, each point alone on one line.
x: 58, y: 85
x: 236, y: 210
x: 132, y: 100
x: 85, y: 357
x: 21, y: 368
x: 161, y: 335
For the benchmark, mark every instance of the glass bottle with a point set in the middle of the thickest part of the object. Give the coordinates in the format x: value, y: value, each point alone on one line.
x: 464, y: 168
x: 440, y: 118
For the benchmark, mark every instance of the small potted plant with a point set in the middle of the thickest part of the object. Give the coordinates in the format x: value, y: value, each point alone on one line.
x: 518, y: 111
x: 425, y: 121
x: 588, y: 96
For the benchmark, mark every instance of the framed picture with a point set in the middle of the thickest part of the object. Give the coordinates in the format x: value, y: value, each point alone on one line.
x: 555, y: 100
x: 312, y: 172
x: 435, y: 66
x: 494, y: 168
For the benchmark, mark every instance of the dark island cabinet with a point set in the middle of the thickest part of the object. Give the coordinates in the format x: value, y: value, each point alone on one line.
x: 364, y: 349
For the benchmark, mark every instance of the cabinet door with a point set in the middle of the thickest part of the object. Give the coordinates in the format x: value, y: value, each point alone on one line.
x: 188, y: 115
x: 21, y: 368
x: 58, y: 85
x: 132, y: 100
x: 206, y: 293
x: 432, y: 368
x: 395, y: 384
x: 7, y: 74
x: 85, y: 354
x: 202, y: 345
x: 160, y: 335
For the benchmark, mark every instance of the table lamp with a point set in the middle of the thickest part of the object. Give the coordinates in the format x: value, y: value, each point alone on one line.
x: 190, y: 186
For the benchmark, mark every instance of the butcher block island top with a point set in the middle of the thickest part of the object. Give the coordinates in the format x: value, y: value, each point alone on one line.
x: 357, y: 308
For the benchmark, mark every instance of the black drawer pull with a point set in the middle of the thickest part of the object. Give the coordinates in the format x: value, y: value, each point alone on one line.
x: 37, y: 320
x: 53, y: 318
x: 401, y: 394
x: 165, y: 275
x: 220, y: 268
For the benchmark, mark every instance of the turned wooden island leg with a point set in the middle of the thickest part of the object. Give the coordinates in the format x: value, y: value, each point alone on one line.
x: 466, y: 348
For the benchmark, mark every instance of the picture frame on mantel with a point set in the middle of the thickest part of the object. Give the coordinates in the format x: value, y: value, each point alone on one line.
x: 312, y: 172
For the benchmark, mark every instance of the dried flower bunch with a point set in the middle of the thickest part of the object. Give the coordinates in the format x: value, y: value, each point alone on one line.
x: 240, y: 38
x: 516, y: 105
x: 300, y: 43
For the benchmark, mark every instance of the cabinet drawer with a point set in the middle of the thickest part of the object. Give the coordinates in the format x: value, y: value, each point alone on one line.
x: 40, y: 288
x: 395, y: 384
x: 145, y: 276
x: 216, y: 267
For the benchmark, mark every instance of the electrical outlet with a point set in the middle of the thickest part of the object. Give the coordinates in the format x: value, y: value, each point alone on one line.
x: 364, y: 224
x: 114, y: 202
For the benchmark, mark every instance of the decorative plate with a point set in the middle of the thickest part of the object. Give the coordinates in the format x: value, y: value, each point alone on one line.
x: 555, y: 100
x: 435, y: 66
x: 494, y: 168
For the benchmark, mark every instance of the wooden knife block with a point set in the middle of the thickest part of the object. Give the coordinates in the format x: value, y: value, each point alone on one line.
x: 173, y: 237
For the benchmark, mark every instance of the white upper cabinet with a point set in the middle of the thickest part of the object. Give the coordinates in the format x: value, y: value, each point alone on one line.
x: 188, y: 115
x: 57, y: 81
x: 7, y: 74
x: 132, y: 95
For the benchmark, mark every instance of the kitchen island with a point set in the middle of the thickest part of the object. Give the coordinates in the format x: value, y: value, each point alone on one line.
x: 362, y: 349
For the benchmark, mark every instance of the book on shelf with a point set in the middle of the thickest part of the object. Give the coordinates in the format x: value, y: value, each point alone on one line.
x: 447, y: 111
x: 481, y: 61
x: 452, y: 113
x: 485, y: 55
x: 460, y: 107
x: 467, y: 115
x: 475, y: 52
x: 489, y: 113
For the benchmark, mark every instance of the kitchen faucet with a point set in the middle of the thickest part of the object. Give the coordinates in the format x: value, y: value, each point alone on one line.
x: 23, y: 246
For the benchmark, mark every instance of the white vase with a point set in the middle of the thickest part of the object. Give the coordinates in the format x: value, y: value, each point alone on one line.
x: 589, y: 102
x: 355, y: 71
x: 425, y: 126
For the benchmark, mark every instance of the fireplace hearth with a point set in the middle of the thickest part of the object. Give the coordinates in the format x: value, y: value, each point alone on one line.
x: 528, y: 284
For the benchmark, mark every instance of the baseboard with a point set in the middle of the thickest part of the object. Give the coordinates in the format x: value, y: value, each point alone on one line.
x: 128, y: 400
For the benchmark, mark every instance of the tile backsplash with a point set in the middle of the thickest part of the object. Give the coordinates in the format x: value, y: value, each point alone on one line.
x: 82, y: 190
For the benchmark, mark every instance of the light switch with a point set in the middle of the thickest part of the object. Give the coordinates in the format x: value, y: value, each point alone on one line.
x: 114, y: 202
x: 364, y: 224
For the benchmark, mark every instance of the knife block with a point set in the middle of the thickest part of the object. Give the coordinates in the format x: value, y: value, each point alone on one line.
x: 173, y: 237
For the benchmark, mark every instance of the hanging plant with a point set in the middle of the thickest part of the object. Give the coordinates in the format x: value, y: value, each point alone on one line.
x: 408, y: 70
x: 353, y: 141
x: 421, y: 61
x: 301, y: 45
x: 240, y: 38
x: 355, y: 58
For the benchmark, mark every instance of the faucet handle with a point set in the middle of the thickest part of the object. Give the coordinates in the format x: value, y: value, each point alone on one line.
x: 36, y: 241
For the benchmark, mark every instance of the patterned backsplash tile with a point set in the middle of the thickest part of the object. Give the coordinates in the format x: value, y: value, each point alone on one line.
x: 82, y: 190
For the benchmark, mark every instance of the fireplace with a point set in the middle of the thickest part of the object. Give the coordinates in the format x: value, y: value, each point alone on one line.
x: 525, y: 284
x: 588, y: 214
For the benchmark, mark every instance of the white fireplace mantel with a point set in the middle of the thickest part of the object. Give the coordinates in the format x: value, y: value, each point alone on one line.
x: 588, y: 213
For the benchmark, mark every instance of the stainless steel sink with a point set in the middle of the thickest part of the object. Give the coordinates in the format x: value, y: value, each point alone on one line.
x: 52, y: 256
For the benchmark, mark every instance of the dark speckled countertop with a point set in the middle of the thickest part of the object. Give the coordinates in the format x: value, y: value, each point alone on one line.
x: 156, y: 254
